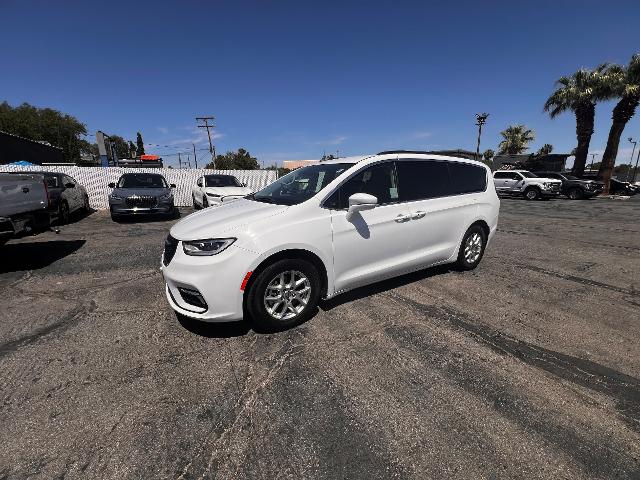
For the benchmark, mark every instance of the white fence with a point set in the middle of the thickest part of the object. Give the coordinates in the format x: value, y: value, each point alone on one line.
x: 96, y: 179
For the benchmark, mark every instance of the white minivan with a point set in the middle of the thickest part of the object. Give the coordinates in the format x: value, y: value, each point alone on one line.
x: 324, y: 229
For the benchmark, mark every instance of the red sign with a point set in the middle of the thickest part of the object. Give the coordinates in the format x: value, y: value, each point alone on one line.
x: 153, y: 158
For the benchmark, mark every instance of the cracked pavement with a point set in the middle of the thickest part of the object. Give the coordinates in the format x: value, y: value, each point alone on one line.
x: 527, y: 367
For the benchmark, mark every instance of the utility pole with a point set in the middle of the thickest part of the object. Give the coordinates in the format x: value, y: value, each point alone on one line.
x: 593, y: 155
x: 195, y: 159
x: 206, y: 125
x: 631, y: 159
x: 179, y: 161
x: 481, y: 119
x: 635, y: 170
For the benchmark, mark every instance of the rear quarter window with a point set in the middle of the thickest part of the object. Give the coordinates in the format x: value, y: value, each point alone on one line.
x: 467, y: 178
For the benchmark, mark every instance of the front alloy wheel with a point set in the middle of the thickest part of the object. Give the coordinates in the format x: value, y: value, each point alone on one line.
x: 532, y: 194
x: 284, y: 294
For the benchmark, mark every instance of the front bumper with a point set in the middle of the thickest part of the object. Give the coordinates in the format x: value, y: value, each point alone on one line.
x: 217, y: 278
x: 121, y: 208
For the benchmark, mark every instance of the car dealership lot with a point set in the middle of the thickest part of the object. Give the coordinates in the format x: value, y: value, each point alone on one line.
x: 527, y: 367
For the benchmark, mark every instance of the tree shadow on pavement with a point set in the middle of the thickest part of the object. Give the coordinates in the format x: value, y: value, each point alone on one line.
x: 18, y: 257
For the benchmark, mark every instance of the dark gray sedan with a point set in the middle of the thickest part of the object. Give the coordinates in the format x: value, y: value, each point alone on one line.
x: 141, y: 193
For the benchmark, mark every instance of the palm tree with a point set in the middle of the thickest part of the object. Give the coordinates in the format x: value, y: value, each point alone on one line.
x: 579, y: 93
x: 546, y: 149
x: 623, y: 83
x: 516, y: 139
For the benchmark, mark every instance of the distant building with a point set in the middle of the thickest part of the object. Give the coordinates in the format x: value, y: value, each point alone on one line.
x: 554, y: 162
x: 293, y: 164
x: 18, y: 149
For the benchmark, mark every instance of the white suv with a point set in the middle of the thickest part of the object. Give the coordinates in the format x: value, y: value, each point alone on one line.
x: 327, y: 228
x: 215, y: 189
x: 525, y: 184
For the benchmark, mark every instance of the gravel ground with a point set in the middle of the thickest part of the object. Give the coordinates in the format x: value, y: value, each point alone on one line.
x: 527, y: 367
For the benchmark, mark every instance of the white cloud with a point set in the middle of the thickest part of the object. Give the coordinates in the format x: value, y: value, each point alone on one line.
x: 420, y: 135
x: 337, y: 140
x: 163, y: 130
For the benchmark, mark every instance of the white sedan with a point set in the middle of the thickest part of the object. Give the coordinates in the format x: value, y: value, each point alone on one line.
x: 216, y: 189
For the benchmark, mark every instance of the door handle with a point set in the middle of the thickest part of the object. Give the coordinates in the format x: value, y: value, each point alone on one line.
x: 418, y: 215
x: 402, y: 218
x: 25, y: 189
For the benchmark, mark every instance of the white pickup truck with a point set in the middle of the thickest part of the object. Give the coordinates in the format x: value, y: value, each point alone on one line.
x: 23, y: 204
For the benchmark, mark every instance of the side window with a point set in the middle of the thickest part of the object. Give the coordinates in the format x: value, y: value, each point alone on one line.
x: 501, y: 175
x: 377, y: 180
x: 517, y: 177
x: 422, y: 179
x: 467, y: 178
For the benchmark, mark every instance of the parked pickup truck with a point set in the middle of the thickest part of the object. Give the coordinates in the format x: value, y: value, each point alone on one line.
x: 525, y: 184
x: 24, y: 203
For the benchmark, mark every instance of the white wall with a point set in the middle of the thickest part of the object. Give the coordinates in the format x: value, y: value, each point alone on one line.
x: 96, y: 179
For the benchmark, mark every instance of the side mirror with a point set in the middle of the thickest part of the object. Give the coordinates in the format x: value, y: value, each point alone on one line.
x: 69, y: 185
x: 112, y: 185
x: 359, y: 202
x: 173, y: 185
x: 244, y: 184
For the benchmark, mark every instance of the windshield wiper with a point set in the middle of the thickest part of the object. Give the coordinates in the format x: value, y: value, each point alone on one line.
x: 263, y: 199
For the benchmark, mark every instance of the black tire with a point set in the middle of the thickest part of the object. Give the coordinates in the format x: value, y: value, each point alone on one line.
x: 575, y: 194
x: 205, y: 202
x: 195, y: 205
x: 532, y: 193
x: 469, y: 262
x: 115, y: 217
x: 256, y: 295
x: 63, y: 213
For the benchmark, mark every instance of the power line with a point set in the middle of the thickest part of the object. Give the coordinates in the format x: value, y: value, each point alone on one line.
x: 206, y: 125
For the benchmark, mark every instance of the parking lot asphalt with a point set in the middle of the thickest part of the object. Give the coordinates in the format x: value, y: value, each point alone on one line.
x: 527, y: 367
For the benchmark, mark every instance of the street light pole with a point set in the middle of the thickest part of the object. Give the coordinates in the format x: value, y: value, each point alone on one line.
x: 481, y: 119
x: 631, y: 159
x: 593, y: 155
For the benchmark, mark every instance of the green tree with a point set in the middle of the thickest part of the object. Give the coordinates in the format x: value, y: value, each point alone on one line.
x: 623, y: 83
x: 121, y: 146
x: 546, y: 149
x: 579, y: 93
x: 240, y: 160
x: 488, y: 155
x: 132, y: 149
x: 327, y: 157
x: 45, y: 125
x: 139, y: 145
x: 516, y: 140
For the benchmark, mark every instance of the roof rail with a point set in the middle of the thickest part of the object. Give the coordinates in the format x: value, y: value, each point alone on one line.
x: 386, y: 152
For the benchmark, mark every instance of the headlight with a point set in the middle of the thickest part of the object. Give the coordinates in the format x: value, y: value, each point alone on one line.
x: 210, y: 246
x: 213, y: 195
x: 548, y: 185
x: 167, y: 196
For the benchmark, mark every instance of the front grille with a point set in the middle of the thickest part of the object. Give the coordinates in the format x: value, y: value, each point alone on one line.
x: 141, y: 201
x: 170, y: 246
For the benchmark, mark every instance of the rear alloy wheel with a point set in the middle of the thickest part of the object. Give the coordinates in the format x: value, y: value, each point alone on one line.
x: 532, y: 193
x: 63, y: 213
x: 472, y: 248
x: 575, y: 194
x: 284, y: 294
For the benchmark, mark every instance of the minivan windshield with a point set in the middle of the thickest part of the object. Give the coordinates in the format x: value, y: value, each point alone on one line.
x: 300, y: 185
x: 221, y: 181
x: 142, y: 180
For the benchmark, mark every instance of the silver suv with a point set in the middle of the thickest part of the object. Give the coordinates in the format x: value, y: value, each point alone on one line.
x: 525, y: 184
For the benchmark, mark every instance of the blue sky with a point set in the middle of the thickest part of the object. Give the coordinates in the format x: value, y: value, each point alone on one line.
x: 291, y: 79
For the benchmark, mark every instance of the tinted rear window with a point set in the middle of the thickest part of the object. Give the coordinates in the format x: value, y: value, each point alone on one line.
x: 467, y: 178
x: 421, y: 179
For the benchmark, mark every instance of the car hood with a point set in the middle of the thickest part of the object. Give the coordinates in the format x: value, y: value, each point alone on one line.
x: 546, y: 180
x: 224, y: 191
x: 218, y: 221
x: 149, y: 192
